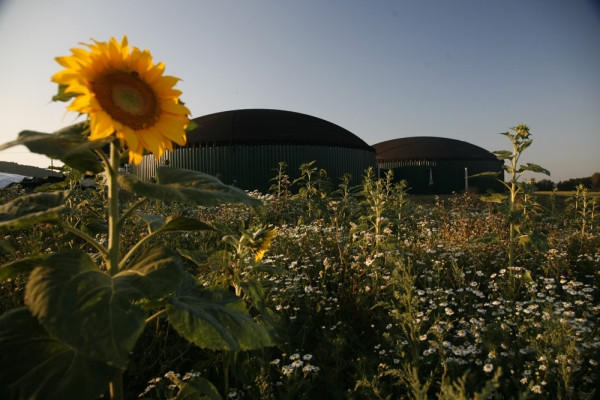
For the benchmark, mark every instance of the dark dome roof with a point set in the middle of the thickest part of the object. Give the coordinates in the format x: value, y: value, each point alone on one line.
x: 429, y: 148
x: 264, y: 126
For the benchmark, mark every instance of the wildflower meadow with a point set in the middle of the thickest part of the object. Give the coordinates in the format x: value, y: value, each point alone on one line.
x: 372, y: 293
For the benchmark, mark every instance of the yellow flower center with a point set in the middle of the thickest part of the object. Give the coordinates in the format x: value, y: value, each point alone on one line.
x: 127, y: 99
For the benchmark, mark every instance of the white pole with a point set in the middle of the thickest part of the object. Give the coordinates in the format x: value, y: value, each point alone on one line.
x: 466, y: 179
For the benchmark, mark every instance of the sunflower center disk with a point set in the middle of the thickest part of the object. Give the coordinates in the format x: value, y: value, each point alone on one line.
x: 127, y: 99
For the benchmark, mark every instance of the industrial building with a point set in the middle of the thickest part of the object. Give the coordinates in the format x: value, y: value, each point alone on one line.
x: 244, y: 148
x: 437, y: 165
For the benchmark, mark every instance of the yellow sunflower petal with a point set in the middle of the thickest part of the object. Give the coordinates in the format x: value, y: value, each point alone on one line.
x: 152, y: 142
x: 80, y: 104
x: 170, y: 128
x: 101, y: 126
x: 141, y: 61
x: 131, y: 138
x: 136, y: 155
x: 174, y: 108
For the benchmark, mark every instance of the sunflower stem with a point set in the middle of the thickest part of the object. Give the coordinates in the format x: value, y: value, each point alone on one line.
x: 131, y: 209
x: 112, y: 170
x: 101, y: 249
x: 137, y: 246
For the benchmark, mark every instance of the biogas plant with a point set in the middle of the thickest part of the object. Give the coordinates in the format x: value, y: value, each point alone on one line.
x: 244, y: 148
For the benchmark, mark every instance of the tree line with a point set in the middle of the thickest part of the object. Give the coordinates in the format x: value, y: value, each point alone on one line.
x: 591, y: 182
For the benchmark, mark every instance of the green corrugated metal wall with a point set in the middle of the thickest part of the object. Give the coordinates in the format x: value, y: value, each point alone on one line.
x: 253, y: 167
x: 448, y: 175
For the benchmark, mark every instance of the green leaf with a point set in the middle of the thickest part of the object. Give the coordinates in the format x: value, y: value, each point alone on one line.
x: 539, y: 241
x: 95, y: 224
x: 84, y: 307
x: 198, y: 388
x: 191, y: 126
x: 270, y: 269
x: 489, y: 174
x: 68, y: 145
x: 215, y: 319
x: 535, y: 168
x: 157, y: 272
x: 503, y: 154
x: 514, y: 217
x: 61, y: 95
x: 35, y: 365
x: 487, y: 238
x: 256, y: 295
x: 31, y: 209
x: 20, y: 267
x: 198, y: 257
x: 493, y: 197
x: 188, y: 186
x: 524, y: 145
x: 525, y: 241
x: 174, y: 223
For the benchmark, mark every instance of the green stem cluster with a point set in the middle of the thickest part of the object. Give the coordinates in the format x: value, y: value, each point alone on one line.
x: 520, y: 139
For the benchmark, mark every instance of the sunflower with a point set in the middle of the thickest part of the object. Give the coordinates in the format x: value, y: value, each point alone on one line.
x: 262, y: 240
x: 126, y: 95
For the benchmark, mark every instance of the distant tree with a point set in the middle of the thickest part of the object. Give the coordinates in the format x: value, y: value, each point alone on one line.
x: 571, y: 184
x: 544, y: 185
x: 566, y: 185
x: 595, y: 180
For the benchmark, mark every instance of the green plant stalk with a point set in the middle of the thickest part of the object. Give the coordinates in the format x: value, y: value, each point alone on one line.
x: 582, y: 194
x: 514, y: 189
x: 131, y: 209
x: 101, y: 249
x: 132, y: 251
x: 156, y: 315
x: 112, y: 169
x: 113, y: 210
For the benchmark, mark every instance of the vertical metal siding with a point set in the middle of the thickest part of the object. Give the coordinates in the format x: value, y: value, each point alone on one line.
x: 253, y: 167
x: 448, y: 175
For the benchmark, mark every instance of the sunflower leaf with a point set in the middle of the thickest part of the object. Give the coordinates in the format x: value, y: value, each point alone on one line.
x: 84, y: 307
x: 503, y: 154
x: 215, y: 319
x: 487, y: 238
x: 173, y: 223
x: 68, y: 145
x: 198, y: 257
x: 20, y: 267
x: 539, y: 241
x: 188, y: 186
x: 489, y: 174
x: 493, y: 197
x: 156, y: 273
x: 535, y: 168
x: 256, y: 296
x: 31, y: 209
x: 62, y: 95
x: 51, y: 369
x: 191, y: 125
x: 198, y: 388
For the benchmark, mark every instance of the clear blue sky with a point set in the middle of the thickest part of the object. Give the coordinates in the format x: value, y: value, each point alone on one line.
x: 463, y: 69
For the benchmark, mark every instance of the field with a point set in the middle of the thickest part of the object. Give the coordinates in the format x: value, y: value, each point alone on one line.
x: 375, y: 294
